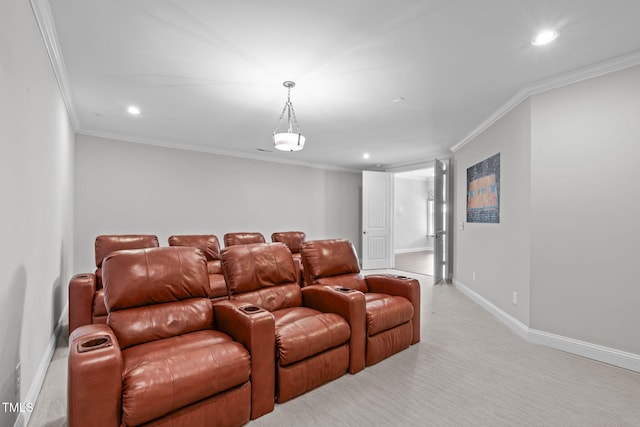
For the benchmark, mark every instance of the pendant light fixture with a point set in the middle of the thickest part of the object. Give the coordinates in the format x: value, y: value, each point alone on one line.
x: 289, y: 140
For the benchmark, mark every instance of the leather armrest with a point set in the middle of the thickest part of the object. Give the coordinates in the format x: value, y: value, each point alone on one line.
x: 94, y: 387
x: 401, y: 286
x: 82, y: 289
x: 254, y: 327
x: 349, y: 304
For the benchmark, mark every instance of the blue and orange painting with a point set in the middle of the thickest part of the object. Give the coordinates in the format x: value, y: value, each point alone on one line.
x: 483, y: 191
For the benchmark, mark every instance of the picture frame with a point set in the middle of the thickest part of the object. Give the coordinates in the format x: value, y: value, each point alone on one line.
x: 483, y: 191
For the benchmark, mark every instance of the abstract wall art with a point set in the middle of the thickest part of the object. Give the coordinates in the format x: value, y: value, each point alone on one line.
x: 483, y: 191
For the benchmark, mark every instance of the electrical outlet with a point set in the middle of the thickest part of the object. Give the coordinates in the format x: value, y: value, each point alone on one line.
x: 17, y: 376
x: 515, y: 298
x: 474, y: 276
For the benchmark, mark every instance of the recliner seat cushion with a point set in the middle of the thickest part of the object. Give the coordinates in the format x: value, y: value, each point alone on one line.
x: 273, y: 298
x: 302, y: 332
x: 163, y: 376
x: 385, y: 312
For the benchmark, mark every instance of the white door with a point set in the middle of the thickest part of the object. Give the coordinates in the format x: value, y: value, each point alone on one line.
x: 440, y: 184
x: 377, y: 203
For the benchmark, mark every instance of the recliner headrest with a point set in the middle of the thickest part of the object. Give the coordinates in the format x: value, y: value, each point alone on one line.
x: 324, y: 258
x: 208, y: 243
x: 293, y: 239
x: 140, y: 277
x: 107, y: 243
x: 232, y: 239
x: 258, y: 265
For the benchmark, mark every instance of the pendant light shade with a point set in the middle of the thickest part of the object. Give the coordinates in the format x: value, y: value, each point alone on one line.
x: 288, y: 140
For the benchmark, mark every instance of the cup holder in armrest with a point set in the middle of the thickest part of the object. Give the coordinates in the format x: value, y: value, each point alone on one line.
x: 94, y: 343
x: 397, y: 276
x: 82, y: 276
x: 344, y: 290
x: 250, y: 309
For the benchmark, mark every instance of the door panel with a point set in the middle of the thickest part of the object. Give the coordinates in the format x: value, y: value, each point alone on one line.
x: 377, y: 202
x: 440, y: 221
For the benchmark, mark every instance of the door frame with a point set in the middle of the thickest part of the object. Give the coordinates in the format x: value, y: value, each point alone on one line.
x: 449, y: 202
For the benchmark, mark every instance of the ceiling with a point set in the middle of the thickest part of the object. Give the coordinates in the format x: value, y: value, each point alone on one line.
x: 402, y: 80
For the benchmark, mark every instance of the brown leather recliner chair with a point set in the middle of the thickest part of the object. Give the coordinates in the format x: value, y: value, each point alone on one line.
x: 86, y: 294
x: 293, y: 240
x: 160, y: 360
x: 210, y: 245
x: 312, y: 337
x: 242, y: 238
x: 392, y: 302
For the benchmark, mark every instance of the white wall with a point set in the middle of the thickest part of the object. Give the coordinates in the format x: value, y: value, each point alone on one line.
x: 36, y: 190
x: 123, y: 187
x: 410, y: 221
x: 586, y: 211
x: 498, y: 254
x: 567, y: 241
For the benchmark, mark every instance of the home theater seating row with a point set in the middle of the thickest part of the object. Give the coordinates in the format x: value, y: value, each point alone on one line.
x: 175, y: 348
x: 86, y: 294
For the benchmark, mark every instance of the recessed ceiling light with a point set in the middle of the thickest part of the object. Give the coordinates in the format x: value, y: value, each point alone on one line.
x: 398, y: 99
x: 544, y: 37
x: 366, y: 156
x: 133, y: 110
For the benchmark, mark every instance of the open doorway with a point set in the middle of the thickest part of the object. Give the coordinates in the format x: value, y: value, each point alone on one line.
x: 414, y: 227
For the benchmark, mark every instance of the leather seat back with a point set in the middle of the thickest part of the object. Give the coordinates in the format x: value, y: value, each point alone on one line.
x: 107, y: 243
x: 156, y: 293
x: 233, y: 239
x: 263, y: 274
x: 293, y: 239
x: 325, y: 260
x: 207, y: 243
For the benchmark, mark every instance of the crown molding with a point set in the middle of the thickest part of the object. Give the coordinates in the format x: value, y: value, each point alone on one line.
x: 44, y: 19
x: 575, y: 76
x: 422, y: 163
x: 209, y: 150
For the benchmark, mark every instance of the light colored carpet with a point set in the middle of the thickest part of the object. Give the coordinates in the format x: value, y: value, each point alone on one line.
x: 468, y: 370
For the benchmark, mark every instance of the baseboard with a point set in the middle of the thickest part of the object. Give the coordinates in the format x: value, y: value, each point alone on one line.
x: 511, y: 322
x: 597, y: 352
x: 408, y: 251
x: 38, y: 380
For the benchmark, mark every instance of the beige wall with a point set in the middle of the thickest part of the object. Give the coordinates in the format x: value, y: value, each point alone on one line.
x: 36, y: 192
x: 497, y: 253
x: 567, y: 241
x: 124, y: 187
x: 586, y: 209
